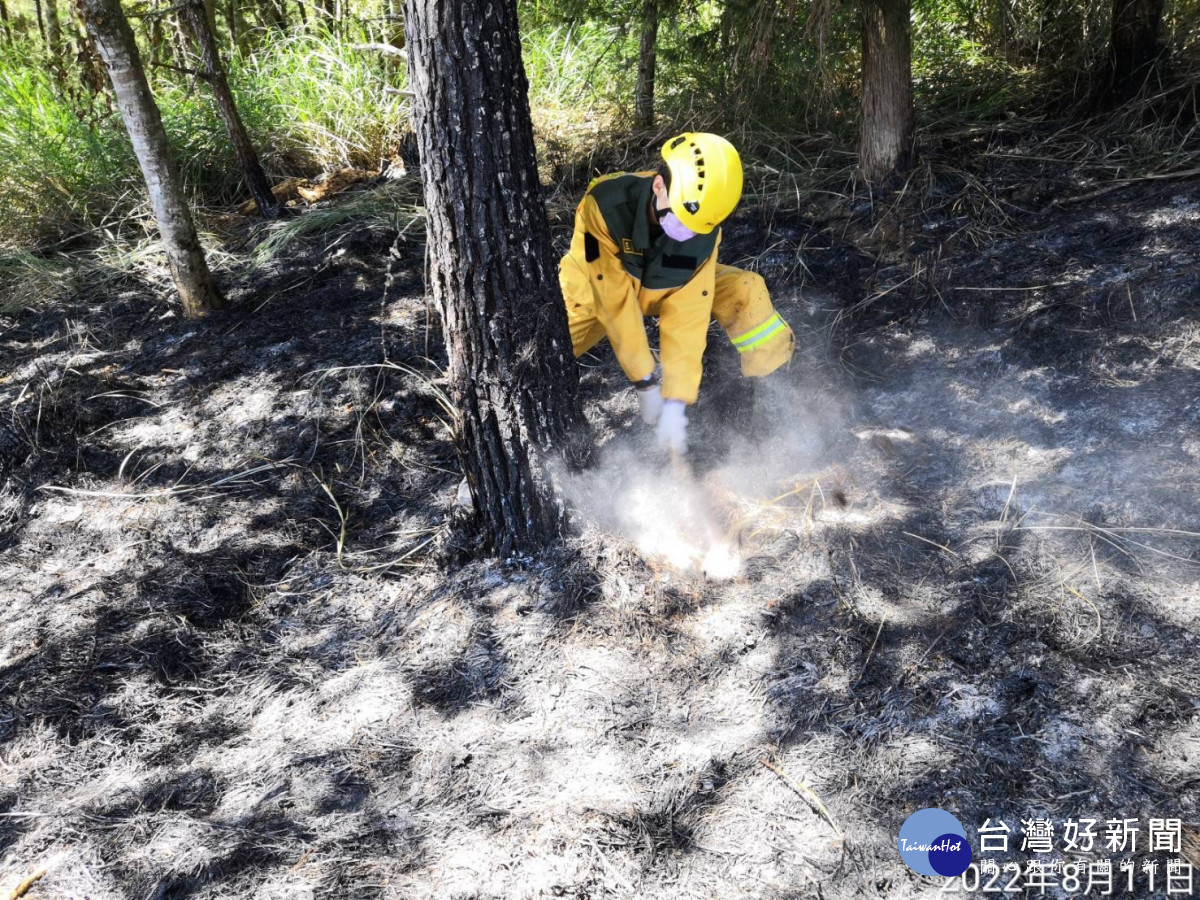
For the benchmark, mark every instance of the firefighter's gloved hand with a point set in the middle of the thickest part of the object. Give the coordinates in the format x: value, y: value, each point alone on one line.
x: 672, y: 427
x: 650, y: 402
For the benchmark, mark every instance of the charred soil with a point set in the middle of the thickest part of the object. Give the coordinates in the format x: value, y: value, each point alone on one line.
x: 245, y: 652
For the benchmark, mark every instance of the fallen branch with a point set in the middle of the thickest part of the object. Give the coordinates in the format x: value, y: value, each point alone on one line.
x: 1118, y: 185
x: 23, y: 888
x: 387, y: 49
x: 810, y: 796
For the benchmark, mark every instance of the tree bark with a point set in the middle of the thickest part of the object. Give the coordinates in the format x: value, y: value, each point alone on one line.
x: 643, y: 94
x: 491, y: 266
x: 886, y: 141
x: 196, y: 18
x: 236, y: 25
x: 53, y: 32
x: 395, y: 23
x: 110, y: 30
x: 275, y: 13
x: 1135, y: 50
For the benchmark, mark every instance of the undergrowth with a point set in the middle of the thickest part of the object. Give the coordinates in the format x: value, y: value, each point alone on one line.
x: 314, y: 102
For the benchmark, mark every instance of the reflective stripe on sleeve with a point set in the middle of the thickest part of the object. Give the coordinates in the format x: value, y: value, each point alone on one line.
x: 756, y: 336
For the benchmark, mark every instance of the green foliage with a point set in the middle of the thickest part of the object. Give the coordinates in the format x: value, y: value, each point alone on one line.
x: 61, y: 168
x: 578, y: 70
x: 775, y: 73
x: 311, y: 103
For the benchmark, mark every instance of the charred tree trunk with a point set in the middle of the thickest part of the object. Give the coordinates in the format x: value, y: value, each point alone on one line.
x: 1135, y: 53
x: 492, y: 269
x: 643, y: 94
x: 885, y: 145
x: 196, y: 19
x: 110, y: 30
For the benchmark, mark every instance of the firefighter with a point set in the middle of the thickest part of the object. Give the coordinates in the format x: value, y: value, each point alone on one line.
x: 645, y: 244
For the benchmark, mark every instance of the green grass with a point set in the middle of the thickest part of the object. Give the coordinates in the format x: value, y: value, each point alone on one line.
x: 310, y: 103
x: 59, y: 171
x: 577, y: 73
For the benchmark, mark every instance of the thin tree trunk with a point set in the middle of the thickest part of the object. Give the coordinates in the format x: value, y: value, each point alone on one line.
x: 179, y: 47
x: 492, y: 270
x: 1135, y: 50
x: 395, y: 23
x: 1002, y: 29
x: 53, y: 31
x: 196, y: 19
x: 114, y: 39
x: 41, y: 21
x: 276, y: 13
x: 237, y: 27
x: 231, y: 22
x: 4, y: 27
x: 643, y: 94
x: 886, y: 141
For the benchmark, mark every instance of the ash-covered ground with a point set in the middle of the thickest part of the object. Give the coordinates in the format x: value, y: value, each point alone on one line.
x: 241, y: 654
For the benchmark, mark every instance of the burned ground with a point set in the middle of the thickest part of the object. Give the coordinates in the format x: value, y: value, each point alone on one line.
x: 243, y: 655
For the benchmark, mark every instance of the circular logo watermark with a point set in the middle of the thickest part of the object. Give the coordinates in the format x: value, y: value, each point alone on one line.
x: 933, y: 842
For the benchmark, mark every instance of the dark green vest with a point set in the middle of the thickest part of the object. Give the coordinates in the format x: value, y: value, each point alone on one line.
x: 663, y: 263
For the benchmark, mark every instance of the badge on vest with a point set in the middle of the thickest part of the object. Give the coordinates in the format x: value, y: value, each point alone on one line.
x: 627, y: 247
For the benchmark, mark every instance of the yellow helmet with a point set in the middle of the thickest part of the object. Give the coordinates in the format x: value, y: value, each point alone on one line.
x: 706, y: 179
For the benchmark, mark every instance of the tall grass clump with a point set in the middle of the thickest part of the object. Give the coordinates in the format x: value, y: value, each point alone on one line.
x: 314, y: 103
x: 578, y: 73
x: 311, y: 103
x: 63, y: 166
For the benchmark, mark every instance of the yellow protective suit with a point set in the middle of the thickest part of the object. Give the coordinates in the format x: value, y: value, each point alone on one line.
x: 604, y: 300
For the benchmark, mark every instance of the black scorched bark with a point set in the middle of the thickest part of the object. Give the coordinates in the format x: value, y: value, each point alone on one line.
x: 492, y: 271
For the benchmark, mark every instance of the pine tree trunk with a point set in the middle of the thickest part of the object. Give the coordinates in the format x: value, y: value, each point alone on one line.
x: 886, y: 142
x: 114, y: 39
x: 1135, y: 50
x: 492, y: 270
x: 196, y: 19
x: 643, y: 94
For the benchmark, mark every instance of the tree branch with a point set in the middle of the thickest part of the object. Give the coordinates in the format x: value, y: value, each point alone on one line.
x: 203, y: 76
x: 384, y: 48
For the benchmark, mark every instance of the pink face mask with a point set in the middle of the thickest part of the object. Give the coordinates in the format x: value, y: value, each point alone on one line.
x: 675, y: 229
